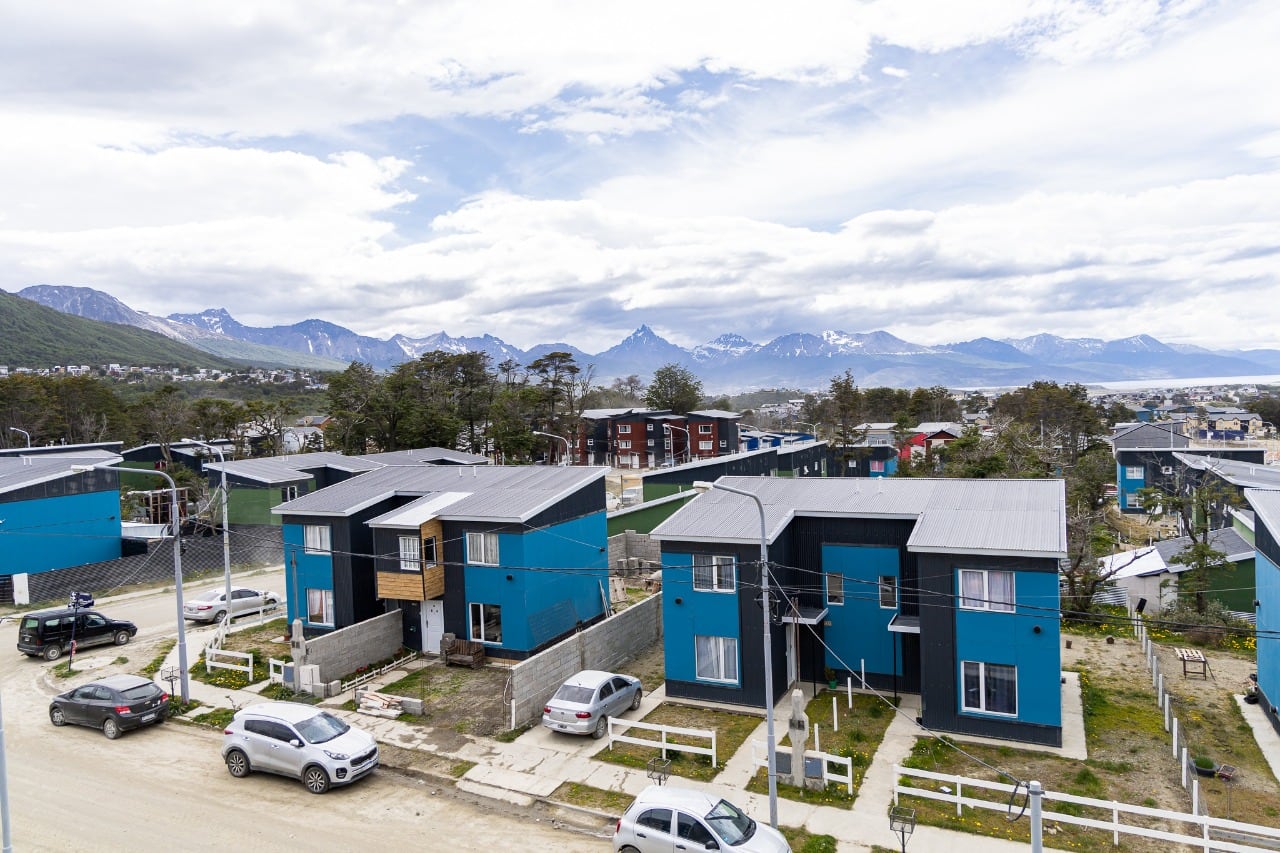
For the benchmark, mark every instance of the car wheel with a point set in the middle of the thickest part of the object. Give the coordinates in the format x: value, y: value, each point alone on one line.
x: 272, y: 603
x: 217, y: 617
x: 628, y: 849
x: 111, y: 728
x: 315, y: 778
x: 237, y: 764
x: 52, y: 652
x: 56, y: 716
x: 121, y: 637
x: 602, y: 726
x: 635, y: 700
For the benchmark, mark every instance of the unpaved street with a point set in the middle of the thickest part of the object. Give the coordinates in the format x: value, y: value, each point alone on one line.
x: 71, y: 789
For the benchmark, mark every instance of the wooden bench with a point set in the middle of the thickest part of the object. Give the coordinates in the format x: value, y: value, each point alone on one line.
x: 1194, y: 663
x: 462, y: 652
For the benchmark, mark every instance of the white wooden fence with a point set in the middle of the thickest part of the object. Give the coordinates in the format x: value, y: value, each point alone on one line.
x: 662, y: 743
x: 760, y: 758
x: 223, y: 659
x: 1208, y: 833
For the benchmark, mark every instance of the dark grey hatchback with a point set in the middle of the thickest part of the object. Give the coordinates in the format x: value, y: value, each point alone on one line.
x: 113, y: 704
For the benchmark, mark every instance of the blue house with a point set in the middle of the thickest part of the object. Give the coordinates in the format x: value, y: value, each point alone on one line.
x: 515, y: 557
x: 1154, y: 456
x: 54, y: 517
x: 1266, y: 532
x: 948, y: 588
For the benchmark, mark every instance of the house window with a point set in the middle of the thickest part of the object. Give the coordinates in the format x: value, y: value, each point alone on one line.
x: 486, y: 623
x: 1133, y: 472
x: 877, y: 466
x: 429, y: 551
x: 624, y: 429
x: 713, y: 573
x: 986, y: 590
x: 704, y: 429
x: 853, y: 463
x: 315, y: 538
x: 288, y: 493
x: 410, y: 554
x: 717, y: 658
x: 706, y: 445
x: 990, y: 687
x: 320, y: 606
x: 724, y: 443
x: 625, y: 445
x: 591, y: 442
x: 482, y: 549
x: 888, y: 591
x: 649, y: 427
x: 650, y: 442
x: 835, y: 588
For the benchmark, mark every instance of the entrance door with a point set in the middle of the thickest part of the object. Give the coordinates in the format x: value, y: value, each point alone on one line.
x: 432, y: 625
x: 793, y: 655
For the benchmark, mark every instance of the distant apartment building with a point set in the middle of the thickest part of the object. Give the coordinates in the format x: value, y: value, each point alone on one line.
x: 653, y: 438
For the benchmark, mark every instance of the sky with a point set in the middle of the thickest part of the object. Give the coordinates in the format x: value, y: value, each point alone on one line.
x: 568, y: 171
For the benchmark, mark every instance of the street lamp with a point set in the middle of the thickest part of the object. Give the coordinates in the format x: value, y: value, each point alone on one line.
x: 814, y: 425
x: 24, y: 432
x: 226, y: 533
x: 703, y: 486
x: 559, y: 438
x: 688, y: 452
x: 177, y: 561
x: 902, y: 820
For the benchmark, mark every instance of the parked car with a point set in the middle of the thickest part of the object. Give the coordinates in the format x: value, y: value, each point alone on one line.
x: 115, y: 704
x: 211, y: 605
x: 668, y: 818
x: 298, y: 741
x: 584, y: 703
x: 49, y: 632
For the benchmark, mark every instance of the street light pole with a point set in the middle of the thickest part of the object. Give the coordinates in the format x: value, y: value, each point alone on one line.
x: 226, y: 533
x: 559, y: 437
x: 177, y: 563
x: 24, y: 432
x: 688, y: 441
x: 768, y: 645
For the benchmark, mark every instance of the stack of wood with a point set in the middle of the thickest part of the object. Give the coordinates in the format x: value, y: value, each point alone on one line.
x: 378, y: 704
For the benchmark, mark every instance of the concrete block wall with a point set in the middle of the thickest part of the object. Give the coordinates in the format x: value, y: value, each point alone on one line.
x: 631, y: 549
x: 342, y: 652
x: 606, y: 645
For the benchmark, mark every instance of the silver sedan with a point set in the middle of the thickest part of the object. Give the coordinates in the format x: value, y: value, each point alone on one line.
x: 211, y: 606
x: 584, y: 703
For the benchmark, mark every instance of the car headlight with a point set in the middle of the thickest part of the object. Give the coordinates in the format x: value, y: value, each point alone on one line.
x: 337, y: 756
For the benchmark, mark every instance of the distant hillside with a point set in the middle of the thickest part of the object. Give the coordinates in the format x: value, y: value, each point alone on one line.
x: 32, y: 335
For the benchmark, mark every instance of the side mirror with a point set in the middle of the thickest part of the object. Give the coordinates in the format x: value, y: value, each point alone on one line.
x: 711, y: 845
x: 297, y: 744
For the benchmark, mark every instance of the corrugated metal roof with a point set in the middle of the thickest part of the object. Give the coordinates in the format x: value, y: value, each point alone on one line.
x: 495, y: 492
x: 1251, y: 474
x: 1020, y: 517
x: 427, y: 455
x: 414, y: 514
x: 1266, y: 507
x: 32, y: 470
x: 270, y: 470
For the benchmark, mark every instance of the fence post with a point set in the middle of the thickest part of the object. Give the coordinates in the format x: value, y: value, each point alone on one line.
x: 714, y: 753
x: 1175, y: 742
x: 817, y: 739
x: 1115, y: 822
x: 1195, y: 797
x: 1168, y: 712
x: 1184, y: 767
x: 835, y: 718
x: 959, y: 797
x: 848, y: 686
x: 1035, y: 792
x: 864, y: 673
x: 895, y: 784
x: 664, y: 743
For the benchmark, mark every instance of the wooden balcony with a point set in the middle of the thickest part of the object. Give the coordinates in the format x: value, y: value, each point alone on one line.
x: 412, y: 586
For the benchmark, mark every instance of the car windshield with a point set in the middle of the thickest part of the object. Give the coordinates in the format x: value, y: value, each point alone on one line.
x: 321, y: 728
x: 575, y: 693
x: 730, y: 823
x: 142, y: 691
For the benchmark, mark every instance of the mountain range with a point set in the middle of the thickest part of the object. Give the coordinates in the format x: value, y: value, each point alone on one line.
x: 729, y: 363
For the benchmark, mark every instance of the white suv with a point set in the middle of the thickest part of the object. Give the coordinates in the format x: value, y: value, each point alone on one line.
x: 298, y: 741
x: 664, y: 818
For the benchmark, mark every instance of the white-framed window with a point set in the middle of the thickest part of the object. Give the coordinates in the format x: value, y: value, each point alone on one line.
x: 724, y: 442
x: 625, y: 445
x: 713, y: 573
x: 704, y: 429
x: 320, y: 606
x: 1166, y: 469
x: 888, y: 585
x: 649, y: 442
x: 288, y: 493
x: 1134, y: 472
x: 877, y: 466
x: 410, y: 554
x: 429, y: 551
x: 853, y: 463
x: 649, y: 427
x: 991, y: 688
x: 716, y: 658
x: 706, y: 445
x: 624, y: 429
x: 486, y: 622
x: 591, y: 442
x: 982, y: 589
x: 315, y: 538
x: 835, y: 588
x: 482, y: 549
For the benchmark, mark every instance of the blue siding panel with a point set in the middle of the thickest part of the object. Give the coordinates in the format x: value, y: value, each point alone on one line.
x: 303, y: 571
x: 55, y: 533
x: 858, y: 630
x: 1011, y: 638
x: 715, y: 614
x: 1268, y: 593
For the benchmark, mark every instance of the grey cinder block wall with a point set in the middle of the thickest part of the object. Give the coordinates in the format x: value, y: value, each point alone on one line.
x: 340, y: 653
x: 632, y: 553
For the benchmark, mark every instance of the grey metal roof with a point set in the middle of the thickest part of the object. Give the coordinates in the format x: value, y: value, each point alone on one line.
x: 1149, y: 437
x: 1018, y: 517
x: 1237, y: 473
x: 492, y: 492
x: 270, y: 470
x: 426, y: 455
x: 709, y: 461
x: 1266, y: 507
x: 33, y: 470
x: 1224, y: 539
x: 716, y: 413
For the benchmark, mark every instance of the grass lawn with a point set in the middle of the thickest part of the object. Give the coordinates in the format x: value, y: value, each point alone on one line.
x: 262, y: 641
x: 731, y: 730
x: 609, y: 802
x: 862, y: 728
